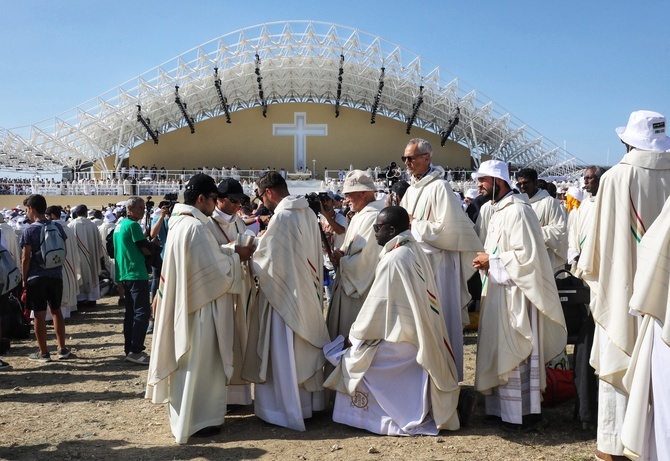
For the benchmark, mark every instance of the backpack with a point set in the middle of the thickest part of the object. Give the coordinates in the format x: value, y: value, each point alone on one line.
x: 109, y: 244
x: 52, y: 246
x: 14, y: 323
x: 10, y: 275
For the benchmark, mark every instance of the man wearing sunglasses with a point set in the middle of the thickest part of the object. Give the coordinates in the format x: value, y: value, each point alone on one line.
x: 447, y: 235
x: 226, y: 225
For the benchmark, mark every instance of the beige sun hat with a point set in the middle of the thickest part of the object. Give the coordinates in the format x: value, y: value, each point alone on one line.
x: 358, y: 181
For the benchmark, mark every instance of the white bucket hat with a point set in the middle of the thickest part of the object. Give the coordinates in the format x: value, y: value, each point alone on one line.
x: 494, y: 169
x: 646, y: 131
x: 358, y: 181
x: 576, y: 193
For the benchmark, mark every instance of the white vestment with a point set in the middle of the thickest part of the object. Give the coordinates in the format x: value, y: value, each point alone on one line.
x: 71, y: 272
x: 192, y: 348
x: 356, y: 271
x: 287, y: 326
x: 521, y: 319
x: 448, y: 237
x: 90, y: 248
x: 578, y: 232
x: 645, y: 433
x: 225, y: 229
x: 399, y: 377
x: 554, y: 227
x: 630, y: 197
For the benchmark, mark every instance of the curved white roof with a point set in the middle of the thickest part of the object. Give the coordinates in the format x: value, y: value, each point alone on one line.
x: 293, y: 61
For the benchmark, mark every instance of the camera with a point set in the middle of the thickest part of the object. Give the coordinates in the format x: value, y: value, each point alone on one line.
x: 314, y: 200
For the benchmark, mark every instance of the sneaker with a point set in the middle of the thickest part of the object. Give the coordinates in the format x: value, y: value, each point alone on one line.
x: 150, y: 328
x: 139, y: 357
x: 4, y: 366
x: 39, y: 357
x: 63, y: 353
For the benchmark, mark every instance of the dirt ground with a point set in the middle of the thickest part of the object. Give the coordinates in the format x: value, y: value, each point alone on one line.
x: 91, y: 406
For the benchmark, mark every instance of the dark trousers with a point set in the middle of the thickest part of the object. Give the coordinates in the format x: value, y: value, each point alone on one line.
x: 586, y: 381
x: 138, y: 313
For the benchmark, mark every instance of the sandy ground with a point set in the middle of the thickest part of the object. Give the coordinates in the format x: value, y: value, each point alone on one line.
x: 91, y: 406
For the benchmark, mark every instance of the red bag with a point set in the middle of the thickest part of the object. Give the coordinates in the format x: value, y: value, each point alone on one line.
x: 560, y: 386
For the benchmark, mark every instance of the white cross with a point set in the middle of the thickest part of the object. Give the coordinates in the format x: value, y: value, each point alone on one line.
x: 299, y: 130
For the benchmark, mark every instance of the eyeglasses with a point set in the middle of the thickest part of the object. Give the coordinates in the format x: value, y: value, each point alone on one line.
x: 376, y: 227
x: 261, y: 194
x: 411, y: 159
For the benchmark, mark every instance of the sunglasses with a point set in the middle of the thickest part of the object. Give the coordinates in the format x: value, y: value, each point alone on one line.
x: 411, y: 159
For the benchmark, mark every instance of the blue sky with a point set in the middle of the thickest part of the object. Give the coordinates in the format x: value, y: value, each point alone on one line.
x: 572, y: 70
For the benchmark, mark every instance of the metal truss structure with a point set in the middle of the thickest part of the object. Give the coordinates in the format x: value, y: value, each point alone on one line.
x: 273, y: 63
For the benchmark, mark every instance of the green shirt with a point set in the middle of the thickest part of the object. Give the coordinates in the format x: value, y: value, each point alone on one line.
x: 127, y: 255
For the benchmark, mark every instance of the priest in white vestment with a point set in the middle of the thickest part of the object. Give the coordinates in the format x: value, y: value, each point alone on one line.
x: 287, y: 330
x: 446, y: 235
x: 398, y: 377
x: 90, y: 249
x: 226, y: 226
x: 357, y: 258
x: 630, y: 197
x: 646, y: 429
x: 192, y: 349
x: 521, y: 324
x: 550, y: 215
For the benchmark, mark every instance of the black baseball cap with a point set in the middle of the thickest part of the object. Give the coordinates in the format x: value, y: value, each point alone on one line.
x: 202, y: 183
x: 231, y: 188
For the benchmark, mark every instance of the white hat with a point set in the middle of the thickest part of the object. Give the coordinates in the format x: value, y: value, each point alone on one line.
x: 110, y: 217
x: 494, y: 169
x: 359, y: 181
x: 646, y: 131
x: 471, y: 193
x: 575, y: 192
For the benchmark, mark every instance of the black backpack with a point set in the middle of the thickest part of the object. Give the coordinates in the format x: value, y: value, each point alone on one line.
x: 109, y: 244
x: 14, y: 323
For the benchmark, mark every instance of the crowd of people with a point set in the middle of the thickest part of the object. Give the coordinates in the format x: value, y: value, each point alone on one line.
x: 330, y: 300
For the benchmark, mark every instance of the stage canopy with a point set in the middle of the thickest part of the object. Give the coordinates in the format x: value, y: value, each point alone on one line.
x: 277, y: 63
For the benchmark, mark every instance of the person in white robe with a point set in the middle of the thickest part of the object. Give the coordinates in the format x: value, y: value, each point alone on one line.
x: 10, y: 241
x: 645, y: 433
x: 398, y: 377
x: 521, y: 323
x: 630, y: 197
x: 227, y: 226
x: 550, y: 214
x: 445, y: 233
x: 287, y: 328
x: 192, y: 349
x: 358, y: 256
x: 90, y: 249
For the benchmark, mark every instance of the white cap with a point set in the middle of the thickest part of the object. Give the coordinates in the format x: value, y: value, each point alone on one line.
x: 645, y: 130
x: 109, y: 216
x: 576, y: 193
x: 494, y: 169
x: 471, y: 193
